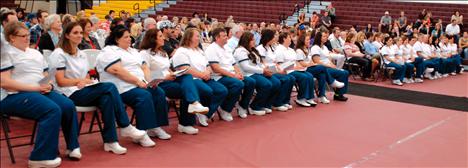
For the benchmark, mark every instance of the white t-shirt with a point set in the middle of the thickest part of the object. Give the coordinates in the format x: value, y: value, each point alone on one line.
x: 131, y: 61
x: 377, y: 45
x: 75, y: 67
x: 301, y: 56
x: 158, y: 63
x: 323, y: 52
x: 268, y: 55
x: 453, y: 48
x: 422, y: 47
x: 444, y: 49
x: 218, y: 55
x: 389, y: 52
x: 286, y: 54
x: 247, y: 66
x: 195, y: 58
x: 26, y: 66
x: 406, y: 51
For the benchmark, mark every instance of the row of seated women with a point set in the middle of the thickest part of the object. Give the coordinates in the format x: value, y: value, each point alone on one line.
x: 214, y: 80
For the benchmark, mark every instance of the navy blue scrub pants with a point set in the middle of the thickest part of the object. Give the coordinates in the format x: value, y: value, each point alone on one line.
x: 141, y: 101
x: 409, y: 70
x: 306, y: 83
x: 321, y: 73
x: 234, y: 87
x: 182, y: 88
x: 50, y: 111
x: 247, y: 92
x: 212, y: 94
x: 340, y: 75
x: 264, y: 89
x: 160, y: 105
x: 283, y: 85
x: 107, y: 98
x: 400, y: 70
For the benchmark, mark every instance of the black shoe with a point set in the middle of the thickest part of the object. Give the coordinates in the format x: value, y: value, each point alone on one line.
x: 340, y: 98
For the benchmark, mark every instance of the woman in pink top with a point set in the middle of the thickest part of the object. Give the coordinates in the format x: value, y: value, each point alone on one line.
x: 354, y: 55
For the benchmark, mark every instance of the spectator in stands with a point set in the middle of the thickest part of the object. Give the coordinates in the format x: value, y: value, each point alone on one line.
x: 50, y: 38
x: 424, y: 28
x: 183, y: 23
x: 135, y: 31
x: 228, y: 73
x: 175, y: 87
x: 360, y: 37
x: 232, y: 43
x: 115, y: 22
x: 320, y: 55
x: 458, y: 19
x: 88, y: 41
x: 326, y: 21
x: 123, y: 66
x: 21, y: 70
x: 356, y: 56
x: 80, y: 15
x: 402, y: 21
x: 369, y: 28
x: 262, y: 26
x: 301, y: 18
x: 378, y: 37
x: 175, y: 37
x: 422, y: 15
x: 190, y: 56
x: 453, y: 29
x: 37, y: 30
x: 204, y: 29
x: 20, y: 14
x: 391, y: 59
x: 304, y: 80
x: 148, y: 23
x: 31, y: 20
x: 72, y: 80
x: 251, y: 64
x: 371, y: 50
x: 6, y: 16
x: 463, y: 44
x: 337, y: 44
x: 195, y: 15
x: 207, y: 18
x: 314, y: 20
x: 385, y: 22
x: 166, y: 28
x: 437, y: 32
x: 282, y: 83
x: 67, y: 18
x: 331, y: 12
x: 111, y: 15
x: 395, y: 29
x: 256, y: 32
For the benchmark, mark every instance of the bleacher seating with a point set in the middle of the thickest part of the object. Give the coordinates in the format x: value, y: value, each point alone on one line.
x: 9, y: 4
x: 243, y: 11
x: 103, y: 9
x: 363, y: 12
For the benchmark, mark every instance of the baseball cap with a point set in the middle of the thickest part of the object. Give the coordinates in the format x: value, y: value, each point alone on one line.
x: 165, y: 24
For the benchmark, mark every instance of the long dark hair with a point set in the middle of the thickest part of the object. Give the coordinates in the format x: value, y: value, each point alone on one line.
x: 150, y: 40
x: 244, y: 41
x: 301, y: 43
x: 116, y: 33
x: 318, y: 39
x: 267, y: 36
x: 64, y: 42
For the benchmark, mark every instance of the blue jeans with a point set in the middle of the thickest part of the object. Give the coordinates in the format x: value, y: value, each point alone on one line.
x: 400, y: 70
x: 340, y: 75
x: 107, y: 98
x: 264, y: 89
x: 305, y: 80
x: 248, y: 91
x: 420, y: 66
x: 321, y: 73
x: 409, y: 70
x: 212, y: 94
x: 50, y: 111
x: 456, y: 60
x: 141, y: 102
x: 284, y: 89
x: 160, y: 106
x: 234, y: 87
x: 182, y: 88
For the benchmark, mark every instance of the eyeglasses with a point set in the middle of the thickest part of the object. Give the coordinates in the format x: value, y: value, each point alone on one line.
x: 23, y: 36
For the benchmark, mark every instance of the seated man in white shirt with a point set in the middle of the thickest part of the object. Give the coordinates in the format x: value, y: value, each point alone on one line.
x: 337, y: 44
x: 453, y: 29
x: 423, y: 50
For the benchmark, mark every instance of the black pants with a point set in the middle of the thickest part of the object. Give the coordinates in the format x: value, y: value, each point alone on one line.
x: 365, y: 63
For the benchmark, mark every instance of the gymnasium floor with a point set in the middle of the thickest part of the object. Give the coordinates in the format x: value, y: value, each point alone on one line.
x: 366, y: 131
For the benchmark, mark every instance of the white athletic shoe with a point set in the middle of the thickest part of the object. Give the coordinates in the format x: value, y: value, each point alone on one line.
x: 145, y: 141
x: 132, y: 132
x: 302, y: 102
x: 225, y: 115
x: 196, y: 107
x: 267, y: 110
x: 257, y: 112
x: 311, y: 102
x: 241, y: 112
x: 74, y: 154
x: 324, y: 100
x: 45, y: 163
x: 397, y: 82
x: 158, y: 132
x: 280, y: 108
x: 114, y: 147
x: 406, y: 80
x: 202, y: 119
x: 418, y: 80
x: 187, y: 129
x: 337, y: 84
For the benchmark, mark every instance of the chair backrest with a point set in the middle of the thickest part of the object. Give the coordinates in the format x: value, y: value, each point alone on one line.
x: 91, y: 55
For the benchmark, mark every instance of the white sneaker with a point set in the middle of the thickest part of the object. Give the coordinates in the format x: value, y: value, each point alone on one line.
x: 462, y: 70
x: 267, y: 110
x: 145, y: 141
x: 74, y: 154
x: 445, y: 75
x: 114, y: 147
x: 158, y: 132
x: 241, y: 111
x: 197, y: 107
x: 288, y: 106
x: 280, y: 108
x: 453, y: 73
x: 45, y: 163
x: 257, y: 112
x: 225, y: 115
x: 187, y: 129
x: 132, y: 132
x: 406, y: 80
x: 418, y: 80
x: 311, y: 102
x: 302, y: 102
x: 429, y: 70
x: 337, y: 84
x: 397, y: 82
x: 438, y: 75
x: 411, y: 81
x: 324, y: 100
x: 428, y: 76
x: 202, y: 119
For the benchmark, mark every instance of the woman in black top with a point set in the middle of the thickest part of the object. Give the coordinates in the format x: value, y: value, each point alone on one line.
x: 88, y: 42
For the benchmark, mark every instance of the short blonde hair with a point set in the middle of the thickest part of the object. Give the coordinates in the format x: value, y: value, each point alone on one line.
x: 135, y: 30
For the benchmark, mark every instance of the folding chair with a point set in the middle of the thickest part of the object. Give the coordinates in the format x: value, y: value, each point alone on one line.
x: 6, y: 131
x: 384, y: 71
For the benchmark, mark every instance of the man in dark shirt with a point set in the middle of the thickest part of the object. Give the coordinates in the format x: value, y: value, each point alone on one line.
x: 167, y: 29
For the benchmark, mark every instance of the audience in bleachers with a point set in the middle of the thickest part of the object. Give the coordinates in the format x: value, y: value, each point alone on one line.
x: 174, y: 60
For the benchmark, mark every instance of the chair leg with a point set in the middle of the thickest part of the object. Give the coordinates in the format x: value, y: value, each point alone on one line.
x: 7, y: 138
x: 92, y: 123
x: 33, y: 136
x: 98, y: 120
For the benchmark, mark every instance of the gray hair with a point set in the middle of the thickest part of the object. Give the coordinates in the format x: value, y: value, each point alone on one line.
x: 94, y: 19
x: 148, y: 21
x: 50, y: 20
